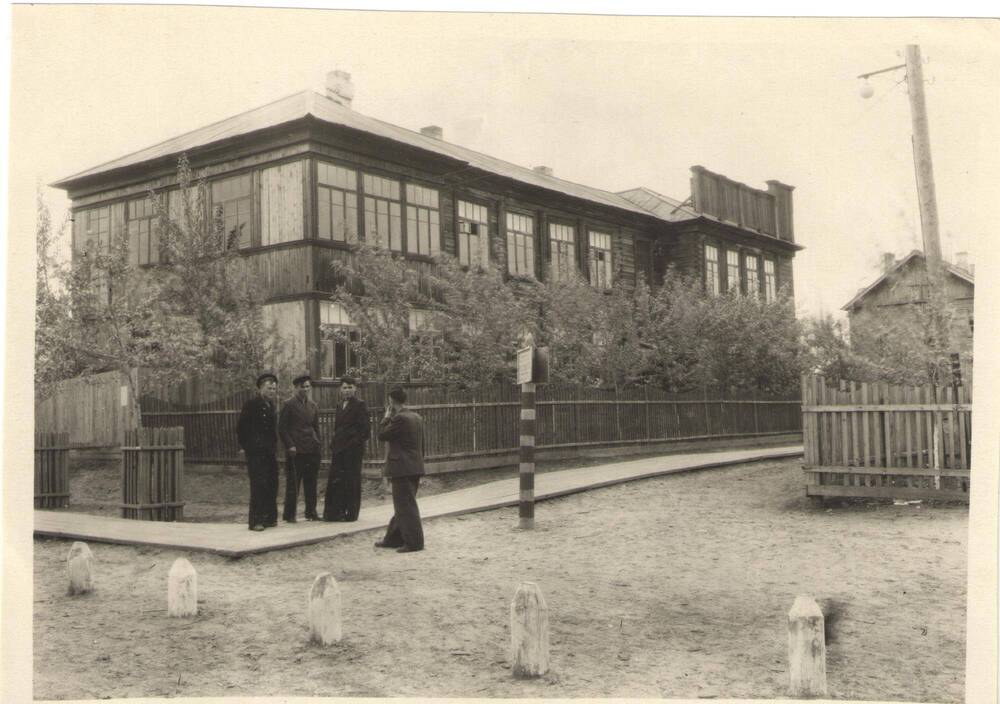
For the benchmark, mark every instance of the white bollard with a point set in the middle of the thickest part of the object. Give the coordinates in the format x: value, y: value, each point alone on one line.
x: 80, y: 569
x: 324, y: 610
x: 182, y: 589
x: 806, y: 649
x: 529, y: 632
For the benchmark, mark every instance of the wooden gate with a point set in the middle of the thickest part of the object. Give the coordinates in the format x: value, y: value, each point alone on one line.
x: 51, y: 470
x: 884, y: 441
x: 153, y: 474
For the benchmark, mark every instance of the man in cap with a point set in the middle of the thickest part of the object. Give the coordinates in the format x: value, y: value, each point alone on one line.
x: 258, y: 437
x: 350, y: 433
x: 404, y: 431
x: 298, y: 428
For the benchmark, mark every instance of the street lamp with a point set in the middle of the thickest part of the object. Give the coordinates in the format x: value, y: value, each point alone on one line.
x: 921, y: 151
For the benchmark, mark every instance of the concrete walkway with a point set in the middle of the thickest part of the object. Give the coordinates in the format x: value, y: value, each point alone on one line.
x: 234, y: 540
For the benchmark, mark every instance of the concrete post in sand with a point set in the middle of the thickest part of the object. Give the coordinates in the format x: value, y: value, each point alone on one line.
x: 324, y: 611
x: 80, y: 569
x: 529, y: 632
x: 806, y: 649
x: 182, y: 589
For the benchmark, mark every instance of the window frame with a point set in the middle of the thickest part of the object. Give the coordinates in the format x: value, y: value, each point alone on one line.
x: 330, y: 345
x: 595, y: 264
x: 770, y: 280
x: 713, y: 281
x: 511, y: 237
x: 752, y: 275
x: 243, y: 242
x: 325, y: 192
x: 730, y: 268
x: 464, y: 248
x: 561, y: 250
x: 413, y: 237
x: 375, y: 235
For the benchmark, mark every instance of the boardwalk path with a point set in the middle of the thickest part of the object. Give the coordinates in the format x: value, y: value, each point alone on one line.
x: 235, y: 540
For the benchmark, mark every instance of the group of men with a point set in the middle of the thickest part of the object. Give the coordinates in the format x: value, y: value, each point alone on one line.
x: 261, y: 426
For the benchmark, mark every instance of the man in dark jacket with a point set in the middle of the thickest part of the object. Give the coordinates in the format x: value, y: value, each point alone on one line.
x: 258, y: 438
x: 404, y: 431
x: 350, y: 433
x: 298, y: 428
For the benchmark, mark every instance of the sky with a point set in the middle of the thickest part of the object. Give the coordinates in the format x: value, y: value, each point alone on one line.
x: 612, y: 102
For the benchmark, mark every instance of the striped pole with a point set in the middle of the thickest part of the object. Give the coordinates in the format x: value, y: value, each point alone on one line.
x: 526, y: 507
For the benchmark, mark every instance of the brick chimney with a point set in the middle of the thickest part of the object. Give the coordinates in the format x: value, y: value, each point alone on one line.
x: 339, y: 88
x: 432, y: 131
x: 782, y: 209
x: 888, y: 261
x: 543, y: 170
x: 962, y: 261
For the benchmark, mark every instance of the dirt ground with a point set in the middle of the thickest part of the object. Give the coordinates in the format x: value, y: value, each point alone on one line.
x: 676, y: 586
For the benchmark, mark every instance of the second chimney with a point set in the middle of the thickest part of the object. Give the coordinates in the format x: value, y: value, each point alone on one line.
x: 543, y: 170
x: 888, y: 261
x: 432, y: 131
x: 339, y: 88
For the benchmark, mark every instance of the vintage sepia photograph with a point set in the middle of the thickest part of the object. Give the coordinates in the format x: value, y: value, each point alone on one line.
x: 387, y: 354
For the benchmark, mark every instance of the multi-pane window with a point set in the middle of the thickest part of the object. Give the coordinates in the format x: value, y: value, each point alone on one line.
x: 732, y: 270
x: 520, y: 244
x: 423, y: 221
x: 383, y: 216
x: 143, y: 232
x: 753, y: 277
x: 770, y: 282
x: 425, y: 335
x: 93, y: 228
x: 337, y: 201
x: 712, y: 269
x: 232, y: 205
x: 562, y: 250
x: 473, y: 234
x: 340, y: 340
x: 600, y: 259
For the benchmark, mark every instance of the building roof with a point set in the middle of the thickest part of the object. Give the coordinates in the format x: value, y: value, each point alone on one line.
x: 309, y: 103
x: 915, y: 254
x: 664, y: 207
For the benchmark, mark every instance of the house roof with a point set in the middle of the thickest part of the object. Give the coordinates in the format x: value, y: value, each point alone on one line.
x: 310, y: 103
x: 664, y: 207
x: 915, y: 254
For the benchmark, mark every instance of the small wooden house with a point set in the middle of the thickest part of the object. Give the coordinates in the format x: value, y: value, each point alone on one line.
x: 902, y: 286
x: 303, y: 178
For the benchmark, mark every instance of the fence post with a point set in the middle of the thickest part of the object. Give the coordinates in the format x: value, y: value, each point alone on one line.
x: 806, y: 649
x: 182, y: 589
x: 526, y: 506
x: 325, y: 625
x: 529, y: 632
x: 645, y: 394
x: 708, y: 425
x: 80, y: 569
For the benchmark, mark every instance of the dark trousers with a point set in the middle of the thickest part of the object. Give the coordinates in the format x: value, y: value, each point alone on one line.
x: 404, y: 527
x: 343, y: 486
x: 262, y: 468
x: 300, y: 470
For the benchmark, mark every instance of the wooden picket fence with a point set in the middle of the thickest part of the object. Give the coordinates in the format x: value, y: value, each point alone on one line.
x: 153, y: 474
x: 884, y: 441
x: 51, y: 470
x: 462, y: 424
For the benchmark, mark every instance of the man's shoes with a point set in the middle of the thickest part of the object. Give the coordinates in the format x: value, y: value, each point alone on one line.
x: 312, y: 518
x: 407, y: 548
x: 291, y: 520
x: 383, y: 544
x: 258, y: 527
x: 271, y: 524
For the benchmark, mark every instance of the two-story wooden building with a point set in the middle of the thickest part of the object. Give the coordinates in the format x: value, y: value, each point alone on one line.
x: 302, y: 179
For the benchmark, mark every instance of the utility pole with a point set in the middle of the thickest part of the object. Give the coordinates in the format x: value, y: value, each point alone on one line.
x: 922, y: 160
x: 922, y: 165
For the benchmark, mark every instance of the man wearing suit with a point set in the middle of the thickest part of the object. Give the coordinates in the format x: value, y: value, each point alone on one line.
x: 258, y: 437
x: 350, y: 433
x: 404, y: 431
x: 298, y: 427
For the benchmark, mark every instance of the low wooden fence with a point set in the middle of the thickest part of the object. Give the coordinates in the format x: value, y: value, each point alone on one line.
x: 463, y: 424
x: 883, y: 441
x: 51, y: 470
x: 153, y: 474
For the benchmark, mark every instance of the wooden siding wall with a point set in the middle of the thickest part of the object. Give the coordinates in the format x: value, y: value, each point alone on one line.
x: 281, y: 203
x: 733, y: 202
x: 89, y: 410
x: 289, y: 319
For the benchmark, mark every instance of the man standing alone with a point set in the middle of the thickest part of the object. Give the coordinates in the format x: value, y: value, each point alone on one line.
x: 258, y: 438
x: 404, y: 431
x: 347, y: 449
x: 298, y: 428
